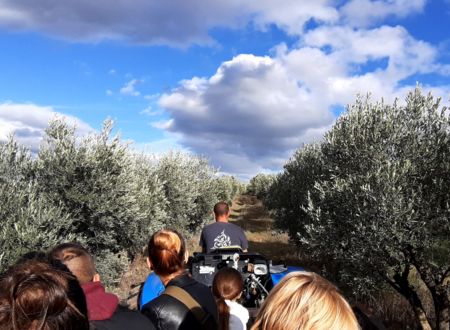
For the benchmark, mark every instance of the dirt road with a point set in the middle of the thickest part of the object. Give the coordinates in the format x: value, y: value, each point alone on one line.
x: 249, y: 213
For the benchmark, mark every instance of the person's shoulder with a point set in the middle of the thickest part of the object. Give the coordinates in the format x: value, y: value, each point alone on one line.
x: 242, y: 310
x: 238, y: 310
x: 209, y: 225
x: 124, y: 318
x: 213, y: 226
x: 200, y: 286
x: 235, y: 226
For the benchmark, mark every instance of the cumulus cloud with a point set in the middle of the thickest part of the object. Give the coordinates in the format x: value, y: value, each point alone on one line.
x: 27, y: 123
x: 251, y: 110
x: 255, y: 111
x: 130, y: 88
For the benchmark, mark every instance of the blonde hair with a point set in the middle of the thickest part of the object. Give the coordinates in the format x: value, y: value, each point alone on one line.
x: 306, y: 301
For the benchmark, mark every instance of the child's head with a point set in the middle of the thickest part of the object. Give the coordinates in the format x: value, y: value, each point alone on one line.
x: 227, y: 285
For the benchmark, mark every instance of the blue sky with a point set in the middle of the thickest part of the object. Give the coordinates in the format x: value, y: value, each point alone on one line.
x: 244, y: 83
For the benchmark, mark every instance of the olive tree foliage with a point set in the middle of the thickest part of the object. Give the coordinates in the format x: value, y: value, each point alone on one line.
x: 98, y: 191
x: 189, y: 185
x: 27, y: 221
x: 93, y: 180
x: 374, y: 197
x: 228, y: 187
x: 287, y: 196
x: 260, y: 184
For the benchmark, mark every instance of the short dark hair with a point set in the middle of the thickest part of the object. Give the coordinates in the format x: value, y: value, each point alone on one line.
x: 221, y: 209
x: 77, y: 259
x: 34, y: 294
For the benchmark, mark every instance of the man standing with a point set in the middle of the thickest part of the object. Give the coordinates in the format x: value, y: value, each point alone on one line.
x: 222, y: 233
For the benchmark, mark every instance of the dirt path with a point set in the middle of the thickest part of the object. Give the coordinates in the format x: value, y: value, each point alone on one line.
x: 250, y: 214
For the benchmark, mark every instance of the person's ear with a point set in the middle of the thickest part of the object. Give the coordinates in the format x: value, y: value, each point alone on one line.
x: 96, y: 278
x: 186, y: 256
x: 149, y: 264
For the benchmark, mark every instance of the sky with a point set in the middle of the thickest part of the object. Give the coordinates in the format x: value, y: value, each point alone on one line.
x: 244, y: 83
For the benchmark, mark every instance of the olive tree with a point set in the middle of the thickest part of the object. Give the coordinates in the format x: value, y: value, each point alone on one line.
x: 287, y: 195
x: 95, y: 181
x: 98, y: 191
x: 27, y: 221
x: 379, y: 204
x: 189, y: 185
x: 260, y: 184
x: 228, y: 187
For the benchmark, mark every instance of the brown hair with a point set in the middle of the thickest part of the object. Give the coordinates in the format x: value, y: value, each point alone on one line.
x: 221, y: 209
x: 307, y: 301
x: 227, y: 284
x: 36, y: 296
x: 166, y: 252
x: 77, y: 259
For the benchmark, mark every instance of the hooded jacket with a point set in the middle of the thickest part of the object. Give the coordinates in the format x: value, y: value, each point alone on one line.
x: 105, y: 313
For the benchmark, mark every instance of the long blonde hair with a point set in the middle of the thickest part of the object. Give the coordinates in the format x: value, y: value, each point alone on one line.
x: 306, y: 301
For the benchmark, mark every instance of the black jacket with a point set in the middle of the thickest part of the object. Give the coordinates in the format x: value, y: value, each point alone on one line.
x: 124, y: 319
x: 167, y: 313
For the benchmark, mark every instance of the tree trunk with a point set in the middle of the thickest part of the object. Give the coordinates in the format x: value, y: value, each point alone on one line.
x: 422, y: 317
x: 442, y: 317
x: 401, y: 284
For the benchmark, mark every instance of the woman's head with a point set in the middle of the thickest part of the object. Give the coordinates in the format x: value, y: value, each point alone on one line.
x: 305, y: 300
x: 167, y: 252
x: 35, y: 295
x: 227, y: 285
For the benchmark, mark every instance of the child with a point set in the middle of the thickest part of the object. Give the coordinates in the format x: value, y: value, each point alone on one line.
x: 227, y: 288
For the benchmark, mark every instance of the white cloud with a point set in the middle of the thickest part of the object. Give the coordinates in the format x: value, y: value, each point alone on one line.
x: 109, y: 92
x: 178, y: 22
x: 149, y: 111
x: 255, y: 111
x: 183, y: 23
x: 364, y: 13
x: 28, y: 121
x: 130, y: 88
x: 163, y: 124
x: 159, y: 147
x: 252, y: 109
